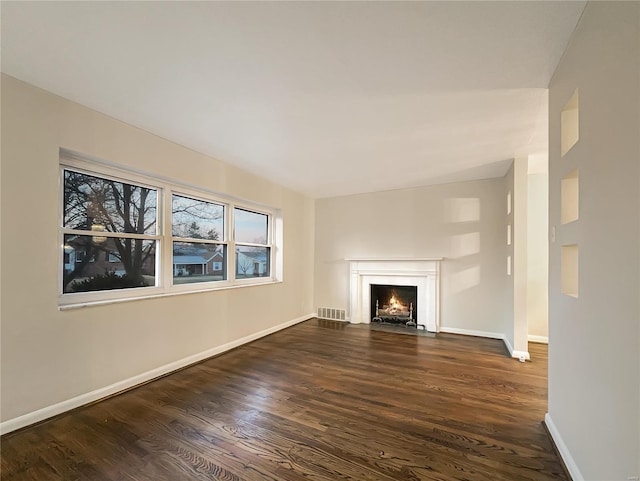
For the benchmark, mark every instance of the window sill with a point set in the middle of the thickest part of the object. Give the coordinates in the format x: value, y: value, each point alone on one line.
x: 91, y: 303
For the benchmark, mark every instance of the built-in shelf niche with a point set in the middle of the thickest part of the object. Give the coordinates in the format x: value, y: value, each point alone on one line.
x: 509, y: 203
x: 508, y: 265
x: 570, y: 124
x: 569, y: 197
x: 508, y: 234
x: 569, y: 270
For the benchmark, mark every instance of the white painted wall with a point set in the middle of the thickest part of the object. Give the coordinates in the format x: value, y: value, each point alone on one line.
x: 520, y: 256
x: 49, y: 356
x: 515, y: 309
x: 538, y: 256
x: 509, y: 298
x: 463, y: 222
x: 594, y: 365
x: 638, y: 244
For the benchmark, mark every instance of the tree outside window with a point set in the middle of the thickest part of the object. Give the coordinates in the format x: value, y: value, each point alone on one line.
x: 110, y: 217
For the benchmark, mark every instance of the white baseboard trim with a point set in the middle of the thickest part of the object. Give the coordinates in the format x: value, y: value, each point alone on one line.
x: 538, y: 339
x: 521, y: 355
x: 87, y: 398
x: 469, y: 332
x: 568, y: 460
x: 508, y: 344
x: 492, y: 335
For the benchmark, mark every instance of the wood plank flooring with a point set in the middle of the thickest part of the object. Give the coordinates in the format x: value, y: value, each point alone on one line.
x: 319, y: 401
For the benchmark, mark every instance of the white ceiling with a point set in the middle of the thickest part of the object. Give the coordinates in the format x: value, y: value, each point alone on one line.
x: 327, y: 98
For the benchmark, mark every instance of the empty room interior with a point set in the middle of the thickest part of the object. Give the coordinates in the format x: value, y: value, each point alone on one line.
x: 320, y: 240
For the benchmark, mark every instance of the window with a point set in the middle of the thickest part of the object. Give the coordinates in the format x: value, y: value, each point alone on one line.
x: 197, y: 227
x: 105, y: 215
x: 115, y: 224
x: 251, y: 235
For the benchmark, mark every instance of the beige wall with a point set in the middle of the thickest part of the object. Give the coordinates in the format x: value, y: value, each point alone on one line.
x: 463, y: 222
x: 49, y: 356
x: 526, y: 291
x: 594, y: 365
x: 520, y: 256
x: 538, y: 256
x: 509, y: 297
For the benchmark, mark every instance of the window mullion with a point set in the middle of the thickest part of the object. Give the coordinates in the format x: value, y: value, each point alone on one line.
x: 231, y: 250
x: 196, y: 240
x: 118, y: 235
x: 167, y: 240
x: 250, y: 244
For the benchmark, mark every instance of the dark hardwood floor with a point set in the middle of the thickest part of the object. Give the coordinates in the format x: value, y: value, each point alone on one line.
x: 318, y: 401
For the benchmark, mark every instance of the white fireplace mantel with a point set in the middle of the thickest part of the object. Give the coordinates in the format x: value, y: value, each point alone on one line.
x: 424, y: 273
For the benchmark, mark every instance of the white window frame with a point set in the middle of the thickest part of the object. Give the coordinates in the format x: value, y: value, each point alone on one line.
x: 105, y: 172
x: 198, y: 196
x: 166, y: 188
x: 269, y: 243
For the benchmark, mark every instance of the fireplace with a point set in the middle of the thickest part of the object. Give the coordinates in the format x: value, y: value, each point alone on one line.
x: 423, y: 274
x: 392, y: 304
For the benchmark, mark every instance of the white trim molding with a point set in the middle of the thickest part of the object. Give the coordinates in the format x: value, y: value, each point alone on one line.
x: 101, y: 393
x: 563, y: 450
x: 470, y: 332
x: 538, y: 339
x: 424, y: 273
x: 521, y: 355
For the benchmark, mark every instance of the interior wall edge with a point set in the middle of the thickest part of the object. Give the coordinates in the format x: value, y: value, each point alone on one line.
x: 563, y: 450
x: 516, y: 353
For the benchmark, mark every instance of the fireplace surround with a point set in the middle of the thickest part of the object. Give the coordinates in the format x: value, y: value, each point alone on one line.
x: 424, y: 273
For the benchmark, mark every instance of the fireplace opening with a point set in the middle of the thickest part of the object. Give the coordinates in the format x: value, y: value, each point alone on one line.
x: 395, y: 305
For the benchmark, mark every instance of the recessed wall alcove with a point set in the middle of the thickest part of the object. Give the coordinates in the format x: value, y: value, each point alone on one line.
x: 569, y: 197
x: 570, y: 124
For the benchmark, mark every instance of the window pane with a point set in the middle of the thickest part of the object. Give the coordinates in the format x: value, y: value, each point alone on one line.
x: 94, y: 263
x: 252, y: 262
x: 96, y: 204
x: 196, y: 219
x: 250, y: 226
x: 194, y: 262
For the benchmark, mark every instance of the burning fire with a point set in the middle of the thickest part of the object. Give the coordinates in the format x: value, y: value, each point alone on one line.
x: 395, y: 306
x: 393, y: 309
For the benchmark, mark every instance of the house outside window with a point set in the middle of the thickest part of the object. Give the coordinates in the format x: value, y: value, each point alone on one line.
x: 252, y: 236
